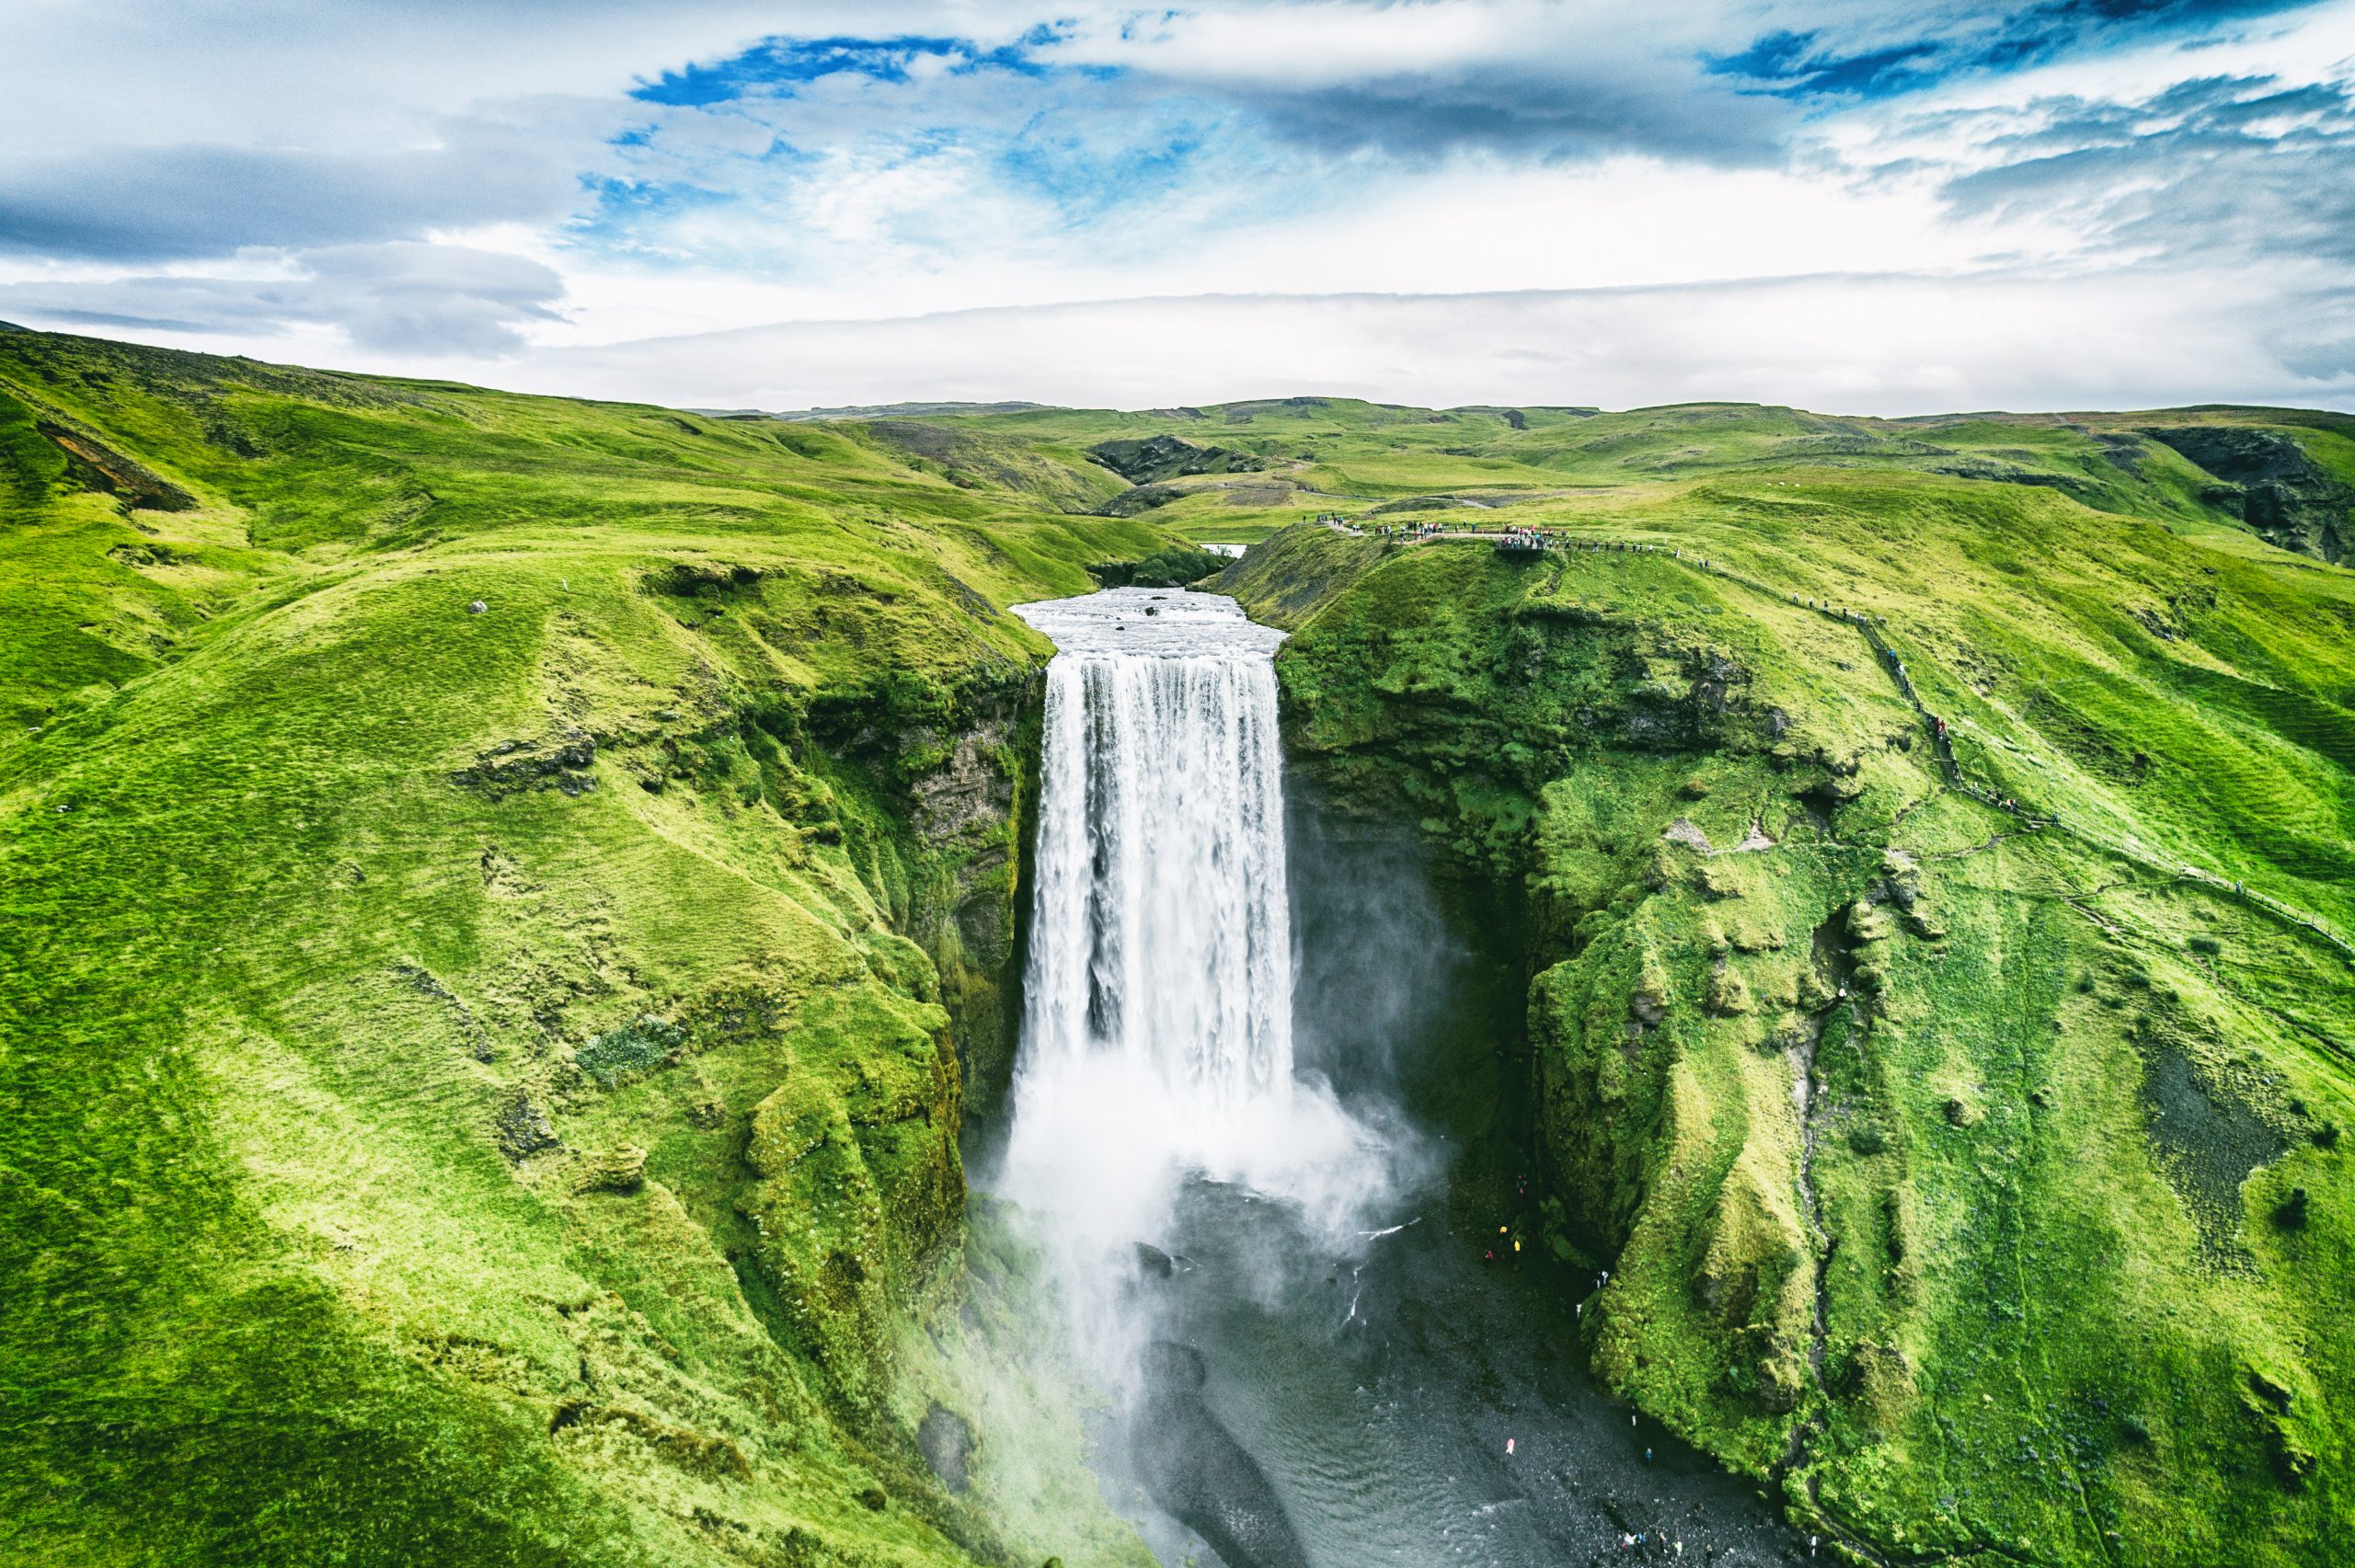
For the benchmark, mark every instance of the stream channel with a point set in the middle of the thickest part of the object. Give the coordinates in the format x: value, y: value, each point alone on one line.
x: 1267, y: 1107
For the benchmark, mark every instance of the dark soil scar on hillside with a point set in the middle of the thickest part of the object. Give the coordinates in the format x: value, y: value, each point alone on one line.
x: 96, y: 466
x: 2209, y: 1141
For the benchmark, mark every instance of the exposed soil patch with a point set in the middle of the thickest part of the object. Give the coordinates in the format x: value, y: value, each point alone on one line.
x: 2209, y: 1141
x: 95, y: 466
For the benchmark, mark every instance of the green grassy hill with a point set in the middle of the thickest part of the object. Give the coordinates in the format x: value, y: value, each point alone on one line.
x: 1979, y: 1178
x: 2285, y: 476
x: 506, y: 906
x: 494, y: 890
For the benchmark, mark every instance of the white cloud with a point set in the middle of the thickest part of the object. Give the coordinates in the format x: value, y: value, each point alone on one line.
x: 1475, y: 227
x: 1875, y: 344
x: 402, y: 298
x: 412, y: 187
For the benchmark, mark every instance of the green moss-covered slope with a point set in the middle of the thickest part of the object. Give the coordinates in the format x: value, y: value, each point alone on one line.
x: 492, y: 895
x: 1978, y: 1176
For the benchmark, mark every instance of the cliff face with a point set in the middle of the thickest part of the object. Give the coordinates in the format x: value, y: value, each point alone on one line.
x: 1938, y: 1152
x: 498, y: 892
x: 974, y: 815
x: 2281, y: 491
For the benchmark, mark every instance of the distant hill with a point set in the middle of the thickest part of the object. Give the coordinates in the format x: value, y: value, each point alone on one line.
x: 870, y: 411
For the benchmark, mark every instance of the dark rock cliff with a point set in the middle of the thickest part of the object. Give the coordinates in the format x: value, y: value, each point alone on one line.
x: 1169, y: 457
x: 2280, y: 492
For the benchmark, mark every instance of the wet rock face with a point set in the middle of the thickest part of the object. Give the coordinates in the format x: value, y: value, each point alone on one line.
x: 972, y: 789
x: 969, y: 817
x: 1201, y: 1475
x: 946, y: 1444
x: 2283, y: 495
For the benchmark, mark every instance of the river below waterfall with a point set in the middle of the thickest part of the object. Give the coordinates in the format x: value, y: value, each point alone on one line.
x: 1264, y: 1115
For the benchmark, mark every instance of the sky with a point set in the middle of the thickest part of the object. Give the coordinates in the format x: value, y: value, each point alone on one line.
x: 1887, y: 209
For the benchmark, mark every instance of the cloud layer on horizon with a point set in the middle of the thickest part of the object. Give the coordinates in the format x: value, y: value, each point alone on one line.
x: 588, y: 199
x: 2040, y: 344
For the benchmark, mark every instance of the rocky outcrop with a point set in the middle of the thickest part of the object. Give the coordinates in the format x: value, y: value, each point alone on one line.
x: 561, y: 762
x: 971, y: 816
x: 523, y: 1129
x: 1157, y: 458
x: 1142, y: 499
x: 2279, y: 490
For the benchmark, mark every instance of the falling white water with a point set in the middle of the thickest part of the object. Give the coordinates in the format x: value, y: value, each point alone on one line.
x: 1156, y: 1042
x: 1162, y: 934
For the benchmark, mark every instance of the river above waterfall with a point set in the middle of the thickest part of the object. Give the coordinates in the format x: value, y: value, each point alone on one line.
x: 1264, y: 1113
x: 1169, y: 622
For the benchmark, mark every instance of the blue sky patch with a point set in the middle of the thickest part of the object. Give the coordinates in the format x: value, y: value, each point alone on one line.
x: 1811, y: 65
x: 778, y: 64
x: 1799, y: 65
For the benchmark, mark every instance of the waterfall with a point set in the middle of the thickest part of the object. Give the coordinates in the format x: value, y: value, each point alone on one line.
x: 1156, y: 1038
x: 1300, y: 1359
x: 1161, y: 931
